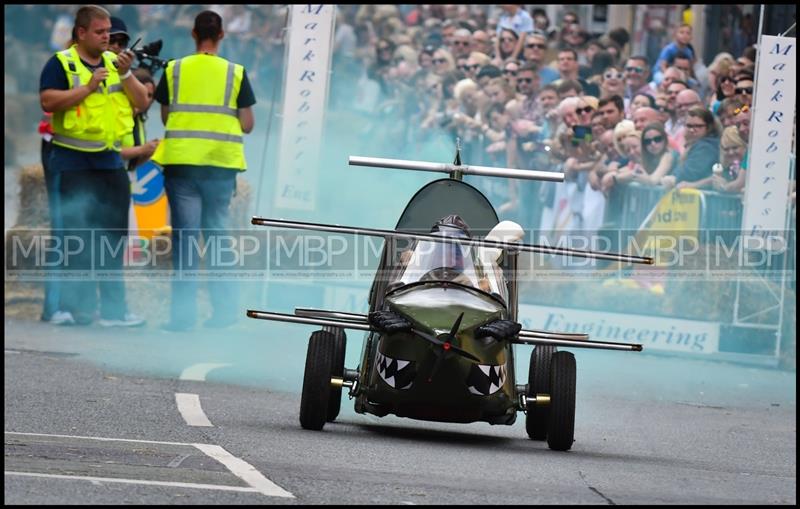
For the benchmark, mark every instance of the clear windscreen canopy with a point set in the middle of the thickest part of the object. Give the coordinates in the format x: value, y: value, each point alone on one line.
x: 431, y: 261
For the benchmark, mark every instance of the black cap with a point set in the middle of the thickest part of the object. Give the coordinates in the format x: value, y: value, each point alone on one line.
x: 118, y: 27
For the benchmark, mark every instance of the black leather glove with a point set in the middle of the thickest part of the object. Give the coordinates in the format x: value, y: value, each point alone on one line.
x: 388, y: 321
x: 499, y: 329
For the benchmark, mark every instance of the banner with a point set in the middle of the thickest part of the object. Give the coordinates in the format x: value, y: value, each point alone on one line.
x: 676, y: 213
x: 771, y: 126
x: 653, y: 332
x: 308, y: 59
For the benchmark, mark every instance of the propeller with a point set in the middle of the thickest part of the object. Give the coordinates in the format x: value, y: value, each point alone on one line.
x: 446, y: 345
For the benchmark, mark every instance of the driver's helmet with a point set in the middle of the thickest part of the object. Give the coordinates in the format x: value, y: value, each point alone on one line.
x: 449, y: 255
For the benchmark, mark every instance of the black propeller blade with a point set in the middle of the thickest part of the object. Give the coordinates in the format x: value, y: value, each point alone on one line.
x: 447, y: 345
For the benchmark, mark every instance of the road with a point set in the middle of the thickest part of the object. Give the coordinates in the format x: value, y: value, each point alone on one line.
x: 94, y: 416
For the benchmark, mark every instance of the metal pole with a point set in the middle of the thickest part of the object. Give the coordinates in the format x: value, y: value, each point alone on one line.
x: 488, y: 171
x: 615, y: 257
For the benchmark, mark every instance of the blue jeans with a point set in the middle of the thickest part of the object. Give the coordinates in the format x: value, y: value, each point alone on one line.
x: 52, y: 180
x: 199, y: 206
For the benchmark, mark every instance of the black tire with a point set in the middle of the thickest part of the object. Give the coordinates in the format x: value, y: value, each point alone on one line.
x: 561, y: 431
x: 340, y: 344
x: 317, y: 380
x: 538, y: 416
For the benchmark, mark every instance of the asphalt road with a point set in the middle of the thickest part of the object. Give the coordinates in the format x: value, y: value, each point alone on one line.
x: 92, y: 417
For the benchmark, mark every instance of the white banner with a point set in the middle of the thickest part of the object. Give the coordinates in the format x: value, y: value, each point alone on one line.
x: 653, y: 332
x: 771, y: 125
x: 305, y: 94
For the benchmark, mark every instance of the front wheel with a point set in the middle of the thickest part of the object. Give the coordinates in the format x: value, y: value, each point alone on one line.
x: 316, y: 395
x: 340, y: 344
x: 538, y: 416
x: 561, y: 428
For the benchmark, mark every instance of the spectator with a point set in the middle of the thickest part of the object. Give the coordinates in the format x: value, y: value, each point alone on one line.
x: 482, y: 42
x: 613, y: 83
x: 741, y: 119
x: 569, y: 88
x: 613, y: 111
x: 658, y: 159
x: 534, y: 52
x: 518, y: 23
x: 630, y: 145
x: 644, y: 116
x: 729, y: 109
x: 510, y: 70
x: 443, y: 62
x: 568, y: 70
x: 641, y: 101
x: 598, y: 63
x: 729, y: 176
x: 506, y: 46
x: 671, y: 75
x: 542, y: 23
x: 486, y: 73
x: 461, y: 43
x: 744, y: 89
x: 680, y: 43
x: 474, y: 63
x: 701, y: 152
x: 636, y: 74
x: 673, y: 125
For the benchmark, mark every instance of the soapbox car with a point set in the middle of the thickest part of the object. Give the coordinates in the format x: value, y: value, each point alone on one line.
x: 442, y: 321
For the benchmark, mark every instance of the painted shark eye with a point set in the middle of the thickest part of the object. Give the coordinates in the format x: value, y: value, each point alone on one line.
x: 397, y: 373
x: 486, y: 379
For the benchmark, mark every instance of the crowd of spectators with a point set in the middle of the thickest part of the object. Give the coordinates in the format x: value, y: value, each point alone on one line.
x: 517, y: 89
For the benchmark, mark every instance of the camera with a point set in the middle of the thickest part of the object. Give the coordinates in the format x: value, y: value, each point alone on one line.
x: 581, y: 133
x: 148, y: 58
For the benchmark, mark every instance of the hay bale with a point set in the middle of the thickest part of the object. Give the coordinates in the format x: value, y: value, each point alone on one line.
x: 240, y: 204
x: 33, y: 207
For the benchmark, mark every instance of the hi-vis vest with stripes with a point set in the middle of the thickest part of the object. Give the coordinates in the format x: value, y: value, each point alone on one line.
x: 100, y: 121
x: 203, y: 126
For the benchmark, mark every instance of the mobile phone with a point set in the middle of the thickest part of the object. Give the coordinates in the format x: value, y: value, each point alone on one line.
x: 581, y: 133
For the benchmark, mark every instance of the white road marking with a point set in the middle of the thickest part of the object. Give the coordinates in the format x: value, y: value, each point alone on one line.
x: 199, y: 371
x: 12, y: 351
x: 98, y: 480
x: 190, y: 409
x: 238, y: 467
x: 244, y: 471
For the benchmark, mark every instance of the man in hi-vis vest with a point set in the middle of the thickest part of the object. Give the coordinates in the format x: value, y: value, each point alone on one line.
x: 87, y: 89
x: 206, y: 108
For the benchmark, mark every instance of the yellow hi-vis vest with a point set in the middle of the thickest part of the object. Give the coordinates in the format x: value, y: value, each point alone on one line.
x: 100, y: 121
x: 203, y: 126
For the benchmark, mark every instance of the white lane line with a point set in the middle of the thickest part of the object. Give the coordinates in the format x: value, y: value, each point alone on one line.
x: 96, y: 480
x: 199, y: 371
x: 244, y: 471
x: 12, y: 351
x: 190, y: 409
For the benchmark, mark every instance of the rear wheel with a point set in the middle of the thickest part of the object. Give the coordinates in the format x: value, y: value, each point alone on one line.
x: 316, y: 395
x: 340, y: 344
x: 561, y: 429
x: 537, y: 418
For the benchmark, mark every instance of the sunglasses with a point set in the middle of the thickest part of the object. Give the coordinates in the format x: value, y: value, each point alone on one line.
x: 655, y: 139
x: 510, y: 72
x: 525, y: 80
x: 536, y: 45
x: 581, y: 111
x: 119, y: 41
x: 612, y: 75
x: 743, y: 109
x: 472, y: 67
x: 744, y: 90
x: 727, y: 79
x: 439, y: 60
x: 507, y: 39
x: 637, y: 70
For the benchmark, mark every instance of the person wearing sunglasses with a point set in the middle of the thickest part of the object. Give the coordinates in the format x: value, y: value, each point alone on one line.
x: 744, y: 90
x: 534, y: 53
x: 637, y: 75
x: 461, y: 43
x: 658, y: 158
x: 729, y: 176
x: 724, y: 83
x: 613, y: 83
x: 701, y: 152
x: 443, y: 62
x: 514, y: 23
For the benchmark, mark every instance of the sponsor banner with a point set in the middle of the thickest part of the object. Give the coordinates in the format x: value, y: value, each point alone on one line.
x: 771, y: 128
x: 653, y: 332
x: 308, y: 60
